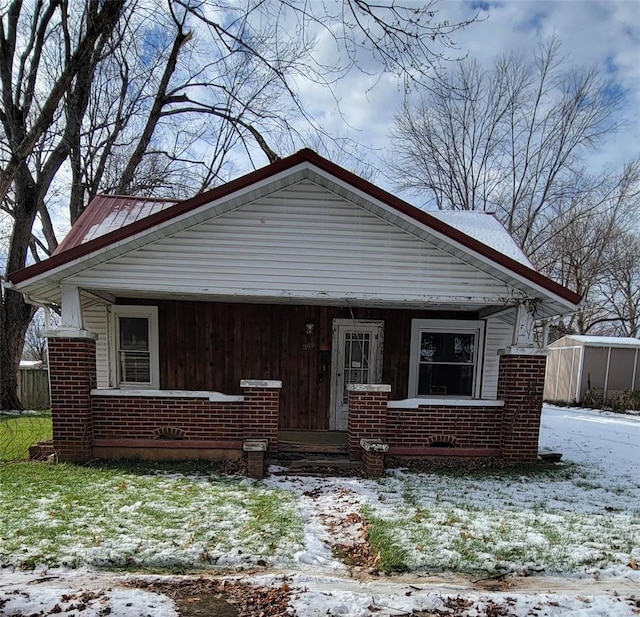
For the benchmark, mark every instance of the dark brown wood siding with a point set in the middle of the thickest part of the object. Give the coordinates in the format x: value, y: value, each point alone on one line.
x: 213, y: 345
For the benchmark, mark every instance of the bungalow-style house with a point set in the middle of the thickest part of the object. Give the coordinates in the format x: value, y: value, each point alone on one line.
x: 294, y: 304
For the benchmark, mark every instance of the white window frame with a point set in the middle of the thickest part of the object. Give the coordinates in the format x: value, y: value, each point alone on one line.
x: 151, y: 314
x: 461, y: 326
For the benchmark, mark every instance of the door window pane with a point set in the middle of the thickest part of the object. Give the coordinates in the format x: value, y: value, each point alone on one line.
x: 356, y: 360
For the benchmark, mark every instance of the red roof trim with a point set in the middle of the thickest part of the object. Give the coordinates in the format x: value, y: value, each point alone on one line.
x: 303, y: 156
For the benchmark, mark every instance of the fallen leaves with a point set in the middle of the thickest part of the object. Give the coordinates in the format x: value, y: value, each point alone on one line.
x: 223, y: 598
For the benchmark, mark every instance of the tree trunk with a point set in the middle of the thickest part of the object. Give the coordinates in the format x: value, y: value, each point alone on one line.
x: 15, y: 315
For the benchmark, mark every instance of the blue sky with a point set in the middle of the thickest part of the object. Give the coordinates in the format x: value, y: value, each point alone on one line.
x: 602, y: 34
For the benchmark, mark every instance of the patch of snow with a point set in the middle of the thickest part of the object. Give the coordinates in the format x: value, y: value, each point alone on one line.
x: 485, y: 228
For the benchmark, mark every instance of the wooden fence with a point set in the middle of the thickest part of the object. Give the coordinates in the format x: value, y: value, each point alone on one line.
x: 33, y: 386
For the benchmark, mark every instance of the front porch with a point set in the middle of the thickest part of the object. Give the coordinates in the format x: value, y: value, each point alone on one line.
x: 178, y: 424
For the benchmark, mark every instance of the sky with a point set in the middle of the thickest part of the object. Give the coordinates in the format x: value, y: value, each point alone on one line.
x: 601, y: 34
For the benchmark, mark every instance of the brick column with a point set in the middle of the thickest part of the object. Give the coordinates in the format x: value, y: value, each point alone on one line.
x: 72, y: 375
x: 367, y: 415
x: 262, y: 410
x: 520, y: 386
x: 373, y: 452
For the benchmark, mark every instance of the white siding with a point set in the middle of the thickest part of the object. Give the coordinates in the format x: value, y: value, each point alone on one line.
x: 301, y: 242
x: 95, y: 319
x: 497, y: 336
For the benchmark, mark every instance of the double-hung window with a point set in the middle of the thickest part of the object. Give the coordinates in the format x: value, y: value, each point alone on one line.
x: 446, y: 358
x: 135, y: 346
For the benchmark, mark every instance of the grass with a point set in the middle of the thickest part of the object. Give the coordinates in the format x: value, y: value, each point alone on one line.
x: 17, y: 433
x: 134, y: 517
x: 560, y: 519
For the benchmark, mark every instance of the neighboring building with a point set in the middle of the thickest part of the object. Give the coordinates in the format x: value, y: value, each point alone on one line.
x: 578, y: 363
x: 295, y: 300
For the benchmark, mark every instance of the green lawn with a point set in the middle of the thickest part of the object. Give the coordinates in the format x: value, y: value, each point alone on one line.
x: 134, y: 517
x: 17, y: 433
x: 562, y: 519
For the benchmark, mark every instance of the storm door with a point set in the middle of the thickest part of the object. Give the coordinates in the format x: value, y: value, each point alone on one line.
x: 356, y: 359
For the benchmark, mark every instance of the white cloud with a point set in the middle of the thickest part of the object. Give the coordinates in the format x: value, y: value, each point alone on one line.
x: 604, y: 34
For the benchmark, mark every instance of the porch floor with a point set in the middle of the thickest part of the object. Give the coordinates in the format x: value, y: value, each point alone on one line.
x: 324, y: 442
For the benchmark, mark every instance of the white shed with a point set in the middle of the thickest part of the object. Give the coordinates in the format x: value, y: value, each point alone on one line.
x: 578, y: 363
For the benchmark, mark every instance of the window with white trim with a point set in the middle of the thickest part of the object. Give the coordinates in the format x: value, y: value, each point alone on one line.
x: 135, y: 356
x: 446, y: 358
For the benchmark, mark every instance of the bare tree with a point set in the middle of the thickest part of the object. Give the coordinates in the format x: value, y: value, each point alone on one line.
x: 132, y: 96
x: 35, y: 341
x: 584, y: 245
x: 507, y: 140
x: 512, y: 140
x: 619, y: 288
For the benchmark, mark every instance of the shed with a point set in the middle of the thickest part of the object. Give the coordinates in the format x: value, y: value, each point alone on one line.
x: 577, y: 363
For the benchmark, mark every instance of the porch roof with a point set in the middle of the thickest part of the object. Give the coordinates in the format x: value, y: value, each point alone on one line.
x: 83, y: 250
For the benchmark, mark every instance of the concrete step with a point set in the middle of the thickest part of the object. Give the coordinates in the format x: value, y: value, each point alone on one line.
x: 332, y: 462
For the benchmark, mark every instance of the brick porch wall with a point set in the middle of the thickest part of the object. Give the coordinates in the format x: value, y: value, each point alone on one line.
x: 137, y: 417
x: 72, y: 373
x: 81, y: 421
x: 510, y: 431
x: 127, y: 421
x: 520, y: 386
x: 465, y: 427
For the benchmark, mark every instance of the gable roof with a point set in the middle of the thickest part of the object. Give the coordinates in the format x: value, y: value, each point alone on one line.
x: 92, y: 234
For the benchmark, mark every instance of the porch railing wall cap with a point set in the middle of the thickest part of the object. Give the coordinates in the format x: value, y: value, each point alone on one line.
x: 523, y: 351
x: 416, y: 403
x: 214, y: 397
x: 70, y: 333
x: 260, y: 383
x: 368, y: 387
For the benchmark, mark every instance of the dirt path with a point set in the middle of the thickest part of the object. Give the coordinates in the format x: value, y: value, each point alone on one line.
x: 268, y: 593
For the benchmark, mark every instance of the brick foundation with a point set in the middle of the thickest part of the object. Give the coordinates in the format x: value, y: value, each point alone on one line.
x: 72, y: 371
x: 520, y: 386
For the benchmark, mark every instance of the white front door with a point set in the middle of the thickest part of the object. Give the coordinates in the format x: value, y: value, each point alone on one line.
x: 356, y: 358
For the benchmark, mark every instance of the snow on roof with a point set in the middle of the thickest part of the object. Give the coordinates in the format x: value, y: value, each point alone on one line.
x: 605, y: 341
x: 485, y: 228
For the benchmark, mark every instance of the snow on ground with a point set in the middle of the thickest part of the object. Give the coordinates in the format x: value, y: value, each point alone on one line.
x: 48, y: 593
x: 606, y: 440
x: 592, y: 514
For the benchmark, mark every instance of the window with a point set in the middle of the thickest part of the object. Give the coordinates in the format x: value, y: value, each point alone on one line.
x: 135, y: 346
x: 446, y: 356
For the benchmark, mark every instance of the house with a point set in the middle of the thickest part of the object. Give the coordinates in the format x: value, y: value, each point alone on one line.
x: 604, y: 364
x: 296, y: 303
